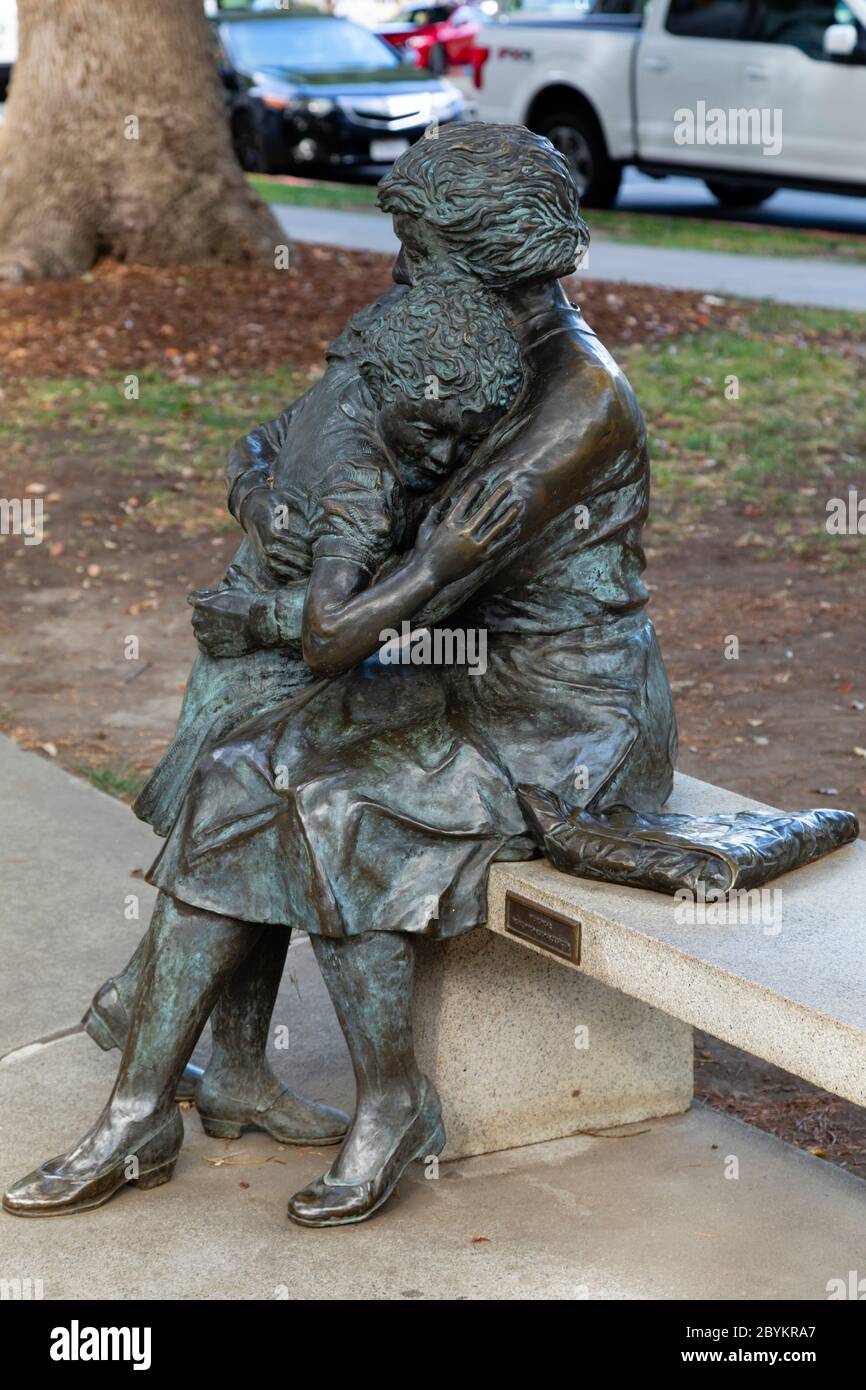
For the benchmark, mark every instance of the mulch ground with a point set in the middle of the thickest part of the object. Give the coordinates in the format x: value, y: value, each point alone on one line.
x: 779, y: 725
x: 202, y: 320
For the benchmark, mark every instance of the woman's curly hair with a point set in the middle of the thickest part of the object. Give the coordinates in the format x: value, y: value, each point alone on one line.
x: 501, y: 199
x: 444, y: 338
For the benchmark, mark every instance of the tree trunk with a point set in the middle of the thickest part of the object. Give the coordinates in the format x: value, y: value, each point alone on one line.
x: 116, y: 143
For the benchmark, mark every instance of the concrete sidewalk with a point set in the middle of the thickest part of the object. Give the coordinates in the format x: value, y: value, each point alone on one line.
x: 789, y: 281
x: 650, y: 1214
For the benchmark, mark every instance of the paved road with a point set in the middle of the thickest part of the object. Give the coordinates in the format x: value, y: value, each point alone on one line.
x: 790, y: 281
x: 787, y: 208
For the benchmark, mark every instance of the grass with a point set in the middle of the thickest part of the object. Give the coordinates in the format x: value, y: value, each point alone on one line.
x: 770, y: 458
x: 709, y: 234
x: 176, y: 433
x: 9, y: 715
x: 313, y: 193
x: 116, y: 781
x: 647, y: 229
x: 770, y: 422
x: 182, y: 416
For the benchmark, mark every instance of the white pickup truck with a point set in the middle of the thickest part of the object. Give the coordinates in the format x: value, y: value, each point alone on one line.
x: 748, y: 95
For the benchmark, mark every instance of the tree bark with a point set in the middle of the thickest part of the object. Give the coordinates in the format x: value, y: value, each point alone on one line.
x: 76, y: 183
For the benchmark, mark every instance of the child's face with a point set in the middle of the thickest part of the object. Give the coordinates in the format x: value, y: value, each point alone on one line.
x: 428, y: 439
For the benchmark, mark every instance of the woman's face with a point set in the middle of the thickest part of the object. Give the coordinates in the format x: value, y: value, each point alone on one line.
x: 417, y: 247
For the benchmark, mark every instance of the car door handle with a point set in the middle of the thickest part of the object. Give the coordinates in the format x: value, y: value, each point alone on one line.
x: 656, y: 64
x: 757, y: 70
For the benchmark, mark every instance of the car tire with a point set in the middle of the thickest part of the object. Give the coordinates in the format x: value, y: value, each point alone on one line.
x: 437, y: 61
x: 577, y: 136
x: 247, y: 142
x: 738, y: 195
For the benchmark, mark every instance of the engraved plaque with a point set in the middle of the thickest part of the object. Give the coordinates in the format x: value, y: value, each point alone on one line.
x: 543, y: 928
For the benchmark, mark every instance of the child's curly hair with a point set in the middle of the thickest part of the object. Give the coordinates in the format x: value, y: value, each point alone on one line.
x: 444, y: 338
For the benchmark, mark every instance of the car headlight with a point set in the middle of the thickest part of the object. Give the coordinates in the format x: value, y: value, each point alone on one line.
x: 312, y: 106
x: 299, y: 106
x: 319, y: 106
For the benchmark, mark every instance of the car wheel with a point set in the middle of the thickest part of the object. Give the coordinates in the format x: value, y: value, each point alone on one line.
x: 738, y: 195
x: 247, y: 142
x: 437, y: 62
x: 577, y: 136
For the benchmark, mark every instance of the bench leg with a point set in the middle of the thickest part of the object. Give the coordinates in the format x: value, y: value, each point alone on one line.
x: 523, y: 1048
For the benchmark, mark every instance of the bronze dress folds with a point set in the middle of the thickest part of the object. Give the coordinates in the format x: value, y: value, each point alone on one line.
x: 377, y: 800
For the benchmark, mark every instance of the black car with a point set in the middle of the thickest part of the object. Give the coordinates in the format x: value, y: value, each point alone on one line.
x: 313, y: 91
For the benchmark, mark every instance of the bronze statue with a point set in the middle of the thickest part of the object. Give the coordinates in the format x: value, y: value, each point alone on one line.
x: 473, y: 457
x: 721, y: 853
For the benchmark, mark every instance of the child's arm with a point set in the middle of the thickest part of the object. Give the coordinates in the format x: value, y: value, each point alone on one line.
x: 345, y: 616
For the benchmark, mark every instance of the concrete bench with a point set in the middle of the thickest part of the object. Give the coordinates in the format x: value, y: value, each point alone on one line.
x: 584, y: 1020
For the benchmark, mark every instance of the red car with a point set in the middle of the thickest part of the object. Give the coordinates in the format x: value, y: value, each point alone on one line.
x: 442, y: 36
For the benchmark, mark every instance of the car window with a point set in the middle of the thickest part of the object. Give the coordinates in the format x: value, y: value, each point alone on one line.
x: 305, y: 45
x: 708, y: 19
x: 618, y: 6
x: 800, y: 23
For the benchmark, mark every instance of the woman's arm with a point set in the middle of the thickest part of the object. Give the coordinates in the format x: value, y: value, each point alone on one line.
x: 345, y: 617
x: 551, y: 463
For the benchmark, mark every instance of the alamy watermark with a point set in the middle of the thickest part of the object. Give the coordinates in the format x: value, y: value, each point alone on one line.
x: 22, y: 516
x: 21, y: 1290
x: 739, y: 125
x: 438, y: 646
x: 77, y: 1343
x: 713, y: 907
x: 846, y: 516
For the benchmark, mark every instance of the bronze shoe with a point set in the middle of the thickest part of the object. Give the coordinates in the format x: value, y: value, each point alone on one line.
x: 48, y: 1192
x: 329, y: 1202
x: 286, y: 1117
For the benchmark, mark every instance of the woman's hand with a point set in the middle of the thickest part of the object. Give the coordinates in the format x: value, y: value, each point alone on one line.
x: 458, y: 536
x: 222, y: 621
x: 263, y: 515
